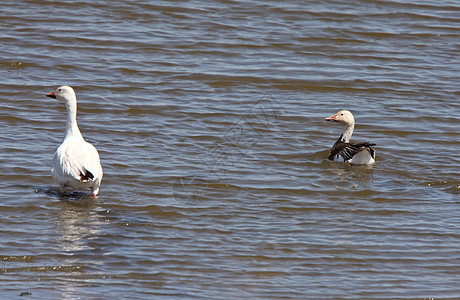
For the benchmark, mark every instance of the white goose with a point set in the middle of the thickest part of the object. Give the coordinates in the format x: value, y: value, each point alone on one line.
x: 76, y: 162
x: 343, y: 150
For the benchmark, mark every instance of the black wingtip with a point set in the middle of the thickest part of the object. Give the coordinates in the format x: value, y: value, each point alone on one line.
x: 88, y: 176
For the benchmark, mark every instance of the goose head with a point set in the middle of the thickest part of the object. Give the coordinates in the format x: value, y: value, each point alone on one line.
x: 344, y: 117
x: 63, y: 93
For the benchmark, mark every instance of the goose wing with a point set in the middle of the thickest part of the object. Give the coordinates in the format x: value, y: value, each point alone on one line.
x: 348, y: 150
x: 76, y: 160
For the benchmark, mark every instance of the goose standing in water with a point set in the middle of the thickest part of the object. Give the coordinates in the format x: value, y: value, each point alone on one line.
x: 343, y: 150
x: 76, y: 162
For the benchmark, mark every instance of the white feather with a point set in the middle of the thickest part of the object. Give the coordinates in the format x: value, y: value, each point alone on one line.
x: 363, y: 157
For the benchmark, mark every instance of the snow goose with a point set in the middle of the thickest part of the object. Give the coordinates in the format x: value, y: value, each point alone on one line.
x: 343, y: 150
x: 76, y: 162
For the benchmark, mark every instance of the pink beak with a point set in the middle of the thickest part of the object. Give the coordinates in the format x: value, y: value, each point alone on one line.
x: 331, y: 118
x: 51, y: 95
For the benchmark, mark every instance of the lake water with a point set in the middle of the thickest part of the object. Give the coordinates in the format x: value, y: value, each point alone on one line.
x: 209, y: 119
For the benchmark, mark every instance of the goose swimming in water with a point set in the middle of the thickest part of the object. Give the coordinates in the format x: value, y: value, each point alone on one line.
x: 343, y: 150
x: 76, y: 162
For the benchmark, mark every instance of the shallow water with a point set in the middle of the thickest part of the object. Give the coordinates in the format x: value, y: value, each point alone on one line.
x: 209, y: 119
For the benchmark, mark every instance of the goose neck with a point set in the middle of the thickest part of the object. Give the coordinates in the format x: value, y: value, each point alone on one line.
x: 346, y: 135
x: 72, y: 130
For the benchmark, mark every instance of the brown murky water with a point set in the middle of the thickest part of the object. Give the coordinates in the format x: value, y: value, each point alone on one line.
x: 209, y: 118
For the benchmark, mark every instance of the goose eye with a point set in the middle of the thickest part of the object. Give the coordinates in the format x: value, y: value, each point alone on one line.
x: 60, y: 90
x: 341, y: 114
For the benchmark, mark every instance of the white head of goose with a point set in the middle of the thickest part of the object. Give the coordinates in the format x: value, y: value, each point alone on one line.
x: 343, y: 150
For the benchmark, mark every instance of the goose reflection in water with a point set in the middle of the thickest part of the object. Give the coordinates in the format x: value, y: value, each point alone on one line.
x: 77, y: 223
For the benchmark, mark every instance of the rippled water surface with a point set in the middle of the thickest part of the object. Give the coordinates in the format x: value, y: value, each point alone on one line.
x: 209, y: 119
